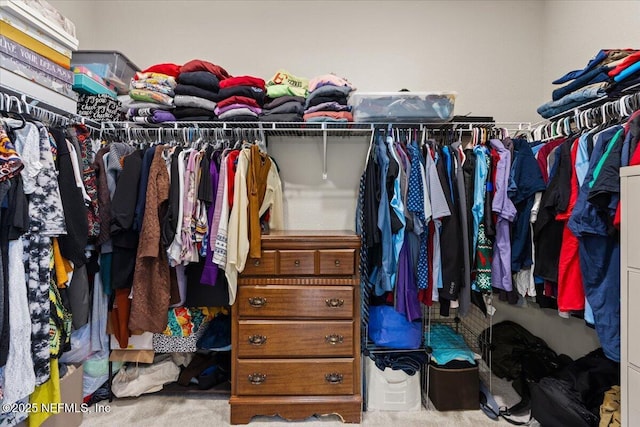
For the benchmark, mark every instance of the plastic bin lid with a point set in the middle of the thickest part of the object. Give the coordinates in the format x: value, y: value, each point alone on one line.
x: 113, y: 52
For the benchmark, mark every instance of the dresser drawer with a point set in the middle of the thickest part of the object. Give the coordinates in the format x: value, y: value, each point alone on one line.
x: 295, y: 377
x: 257, y: 338
x: 296, y: 263
x: 337, y: 261
x: 282, y: 301
x: 264, y: 266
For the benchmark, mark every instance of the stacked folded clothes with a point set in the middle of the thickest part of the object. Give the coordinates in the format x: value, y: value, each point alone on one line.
x: 240, y: 99
x: 327, y: 100
x: 151, y: 94
x: 626, y: 73
x: 286, y: 108
x: 594, y: 81
x: 285, y: 98
x: 198, y: 89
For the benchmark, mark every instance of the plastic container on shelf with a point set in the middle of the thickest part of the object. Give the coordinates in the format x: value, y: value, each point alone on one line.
x: 85, y: 84
x: 414, y: 107
x: 111, y: 65
x: 391, y: 390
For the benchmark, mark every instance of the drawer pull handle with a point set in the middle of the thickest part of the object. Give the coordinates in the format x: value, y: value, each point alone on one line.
x: 297, y: 263
x: 257, y: 378
x: 256, y: 262
x: 333, y: 378
x: 334, y: 339
x: 337, y: 263
x: 257, y: 339
x: 257, y: 302
x: 334, y: 302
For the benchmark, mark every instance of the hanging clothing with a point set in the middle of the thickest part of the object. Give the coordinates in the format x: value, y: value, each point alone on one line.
x: 75, y: 211
x: 123, y: 236
x: 505, y: 212
x: 570, y: 287
x: 19, y: 376
x: 238, y: 243
x: 416, y: 205
x: 177, y: 217
x: 452, y: 267
x: 210, y: 269
x: 464, y: 296
x: 383, y: 281
x: 260, y: 165
x: 525, y: 181
x: 151, y: 282
x: 599, y: 251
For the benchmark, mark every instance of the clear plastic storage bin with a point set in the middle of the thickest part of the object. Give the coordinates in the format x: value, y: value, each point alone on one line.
x: 112, y: 66
x: 414, y: 107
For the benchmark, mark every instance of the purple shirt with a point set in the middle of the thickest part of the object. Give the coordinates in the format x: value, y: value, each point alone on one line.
x: 506, y: 212
x: 210, y: 270
x: 328, y: 106
x: 407, y: 301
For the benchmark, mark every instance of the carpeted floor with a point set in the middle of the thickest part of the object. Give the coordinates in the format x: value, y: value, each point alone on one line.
x: 154, y: 410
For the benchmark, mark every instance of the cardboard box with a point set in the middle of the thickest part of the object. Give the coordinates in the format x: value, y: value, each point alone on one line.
x: 70, y: 392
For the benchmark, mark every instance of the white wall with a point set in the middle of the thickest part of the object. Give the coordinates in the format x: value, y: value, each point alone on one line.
x: 463, y: 46
x: 574, y: 31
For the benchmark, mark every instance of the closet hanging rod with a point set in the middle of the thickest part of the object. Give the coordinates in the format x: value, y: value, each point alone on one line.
x: 21, y: 103
x: 293, y: 127
x: 581, y: 117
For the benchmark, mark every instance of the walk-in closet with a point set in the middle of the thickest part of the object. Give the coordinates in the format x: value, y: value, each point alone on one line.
x: 319, y: 213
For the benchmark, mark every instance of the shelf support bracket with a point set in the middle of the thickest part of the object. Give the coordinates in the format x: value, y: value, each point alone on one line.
x: 324, y: 151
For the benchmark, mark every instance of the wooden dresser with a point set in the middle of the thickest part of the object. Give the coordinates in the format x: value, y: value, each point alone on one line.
x: 296, y: 329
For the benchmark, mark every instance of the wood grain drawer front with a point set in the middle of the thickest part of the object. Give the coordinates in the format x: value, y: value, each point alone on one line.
x: 258, y: 338
x: 314, y: 302
x: 337, y: 261
x: 297, y: 263
x: 295, y: 377
x: 265, y: 266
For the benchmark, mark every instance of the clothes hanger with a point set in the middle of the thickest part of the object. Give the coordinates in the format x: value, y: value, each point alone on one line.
x: 8, y: 113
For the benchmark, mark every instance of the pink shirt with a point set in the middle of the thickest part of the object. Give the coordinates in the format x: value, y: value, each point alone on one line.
x: 331, y: 79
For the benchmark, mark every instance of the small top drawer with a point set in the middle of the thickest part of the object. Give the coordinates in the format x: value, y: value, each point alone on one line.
x: 296, y: 263
x: 337, y: 261
x: 263, y: 266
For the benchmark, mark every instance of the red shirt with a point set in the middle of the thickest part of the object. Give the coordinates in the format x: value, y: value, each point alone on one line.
x: 238, y: 100
x: 543, y: 156
x: 242, y: 81
x: 570, y: 287
x: 167, y: 68
x: 626, y: 62
x: 198, y: 65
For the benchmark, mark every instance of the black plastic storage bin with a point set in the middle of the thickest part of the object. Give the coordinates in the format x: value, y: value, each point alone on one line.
x: 111, y: 65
